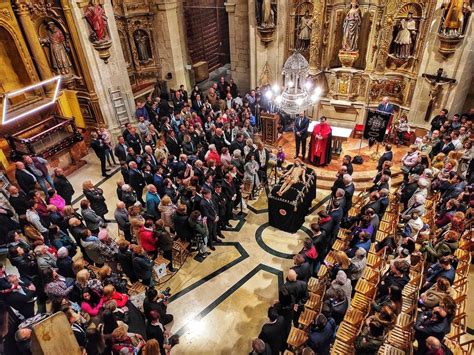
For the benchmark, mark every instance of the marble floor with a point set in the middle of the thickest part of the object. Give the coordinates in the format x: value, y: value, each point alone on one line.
x: 220, y: 304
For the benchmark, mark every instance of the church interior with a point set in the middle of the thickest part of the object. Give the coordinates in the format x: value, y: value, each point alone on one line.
x: 236, y: 177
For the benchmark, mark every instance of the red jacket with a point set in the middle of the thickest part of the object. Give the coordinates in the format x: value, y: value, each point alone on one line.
x: 119, y: 298
x: 147, y: 239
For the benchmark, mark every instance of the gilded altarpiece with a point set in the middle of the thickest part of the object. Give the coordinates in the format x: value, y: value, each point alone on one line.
x: 391, y: 39
x: 135, y: 26
x: 46, y: 25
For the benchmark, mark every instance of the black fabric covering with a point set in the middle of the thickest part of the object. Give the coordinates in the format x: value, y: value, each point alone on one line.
x: 283, y: 215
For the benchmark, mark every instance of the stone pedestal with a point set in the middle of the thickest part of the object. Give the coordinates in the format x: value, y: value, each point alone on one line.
x: 348, y: 58
x: 104, y: 75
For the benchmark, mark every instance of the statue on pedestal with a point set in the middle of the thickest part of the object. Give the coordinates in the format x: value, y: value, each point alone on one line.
x: 265, y: 13
x: 58, y: 49
x: 304, y: 34
x: 404, y: 42
x: 97, y: 20
x: 142, y: 43
x: 351, y: 28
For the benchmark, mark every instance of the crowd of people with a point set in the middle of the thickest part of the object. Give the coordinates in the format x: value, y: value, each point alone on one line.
x: 187, y: 167
x: 440, y: 164
x: 184, y: 166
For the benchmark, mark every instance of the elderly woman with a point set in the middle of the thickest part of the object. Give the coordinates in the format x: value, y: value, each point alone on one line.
x: 251, y: 179
x: 340, y: 282
x: 358, y: 262
x: 126, y: 343
x: 167, y: 210
x: 161, y: 150
x: 96, y: 198
x: 55, y: 286
x: 136, y: 220
x: 249, y: 147
x: 225, y: 157
x: 213, y: 154
x: 129, y: 197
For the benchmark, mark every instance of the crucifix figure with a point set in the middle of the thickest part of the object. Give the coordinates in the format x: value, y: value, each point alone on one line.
x: 436, y: 81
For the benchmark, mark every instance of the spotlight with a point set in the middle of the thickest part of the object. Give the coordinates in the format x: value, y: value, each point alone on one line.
x: 278, y: 99
x: 314, y: 98
x: 308, y: 85
x: 299, y: 102
x: 269, y: 94
x: 291, y: 84
x: 276, y: 88
x: 318, y: 91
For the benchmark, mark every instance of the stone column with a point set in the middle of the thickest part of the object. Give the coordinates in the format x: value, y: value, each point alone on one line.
x: 172, y: 48
x: 82, y: 59
x: 31, y: 37
x: 237, y: 11
x: 459, y: 66
x: 105, y: 76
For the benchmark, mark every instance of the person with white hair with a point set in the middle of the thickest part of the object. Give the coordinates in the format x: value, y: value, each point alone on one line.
x: 418, y: 205
x: 349, y: 190
x: 129, y: 197
x: 338, y: 196
x: 152, y: 201
x: 121, y: 217
x: 422, y: 189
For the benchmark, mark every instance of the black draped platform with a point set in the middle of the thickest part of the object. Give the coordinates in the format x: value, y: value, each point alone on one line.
x: 287, y: 212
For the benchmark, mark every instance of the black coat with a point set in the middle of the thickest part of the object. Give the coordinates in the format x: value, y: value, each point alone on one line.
x: 97, y: 201
x: 303, y: 271
x: 19, y: 203
x: 26, y: 181
x: 125, y: 259
x: 134, y: 142
x: 137, y: 181
x: 173, y: 146
x: 387, y: 156
x: 64, y: 188
x: 121, y: 152
x: 142, y: 267
x: 273, y: 335
x: 208, y: 210
x: 99, y: 147
x: 181, y: 225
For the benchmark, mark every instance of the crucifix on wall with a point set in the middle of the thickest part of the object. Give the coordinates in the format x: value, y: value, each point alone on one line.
x: 436, y: 82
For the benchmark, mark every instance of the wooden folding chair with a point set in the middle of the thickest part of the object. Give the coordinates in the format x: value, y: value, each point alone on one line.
x: 323, y: 270
x: 387, y: 227
x: 136, y: 288
x: 380, y: 235
x: 344, y: 235
x: 339, y: 245
x: 361, y: 302
x: 313, y: 284
x: 354, y: 316
x: 297, y: 338
x: 306, y: 318
x: 366, y: 288
x: 460, y: 348
x: 180, y: 251
x: 401, y: 337
x: 330, y: 257
x: 371, y: 275
x: 347, y: 332
x: 376, y: 261
x: 340, y: 347
x: 413, y: 285
x: 313, y: 302
x: 388, y: 349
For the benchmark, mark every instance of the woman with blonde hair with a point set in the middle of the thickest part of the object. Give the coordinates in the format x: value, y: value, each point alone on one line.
x: 136, y: 221
x: 167, y: 210
x: 161, y: 150
x: 433, y: 296
x: 126, y: 343
x: 152, y: 347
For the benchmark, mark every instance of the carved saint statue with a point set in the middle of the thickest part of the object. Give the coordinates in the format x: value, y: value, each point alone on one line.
x: 58, y: 49
x: 404, y: 42
x: 142, y: 44
x: 454, y: 17
x: 304, y: 34
x: 265, y: 13
x: 351, y: 28
x: 95, y: 16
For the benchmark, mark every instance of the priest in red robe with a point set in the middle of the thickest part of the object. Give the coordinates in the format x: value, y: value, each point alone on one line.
x: 320, y: 145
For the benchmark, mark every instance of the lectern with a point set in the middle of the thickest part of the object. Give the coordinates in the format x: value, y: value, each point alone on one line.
x: 270, y: 127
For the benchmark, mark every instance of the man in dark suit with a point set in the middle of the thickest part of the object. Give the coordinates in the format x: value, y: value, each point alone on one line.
x: 120, y: 149
x: 209, y: 211
x: 447, y: 145
x: 238, y: 143
x: 172, y: 144
x: 137, y: 181
x: 198, y: 104
x: 25, y: 179
x: 385, y: 106
x: 386, y: 156
x: 298, y: 292
x: 18, y: 200
x: 133, y: 140
x: 302, y: 268
x: 262, y: 156
x: 99, y: 148
x: 332, y: 229
x: 273, y: 331
x: 301, y: 133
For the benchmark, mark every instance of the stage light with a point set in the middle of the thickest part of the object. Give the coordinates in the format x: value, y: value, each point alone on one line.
x: 291, y: 84
x: 276, y: 88
x: 269, y: 94
x: 28, y: 88
x: 318, y: 91
x: 299, y: 102
x: 314, y: 98
x: 308, y: 85
x: 278, y: 99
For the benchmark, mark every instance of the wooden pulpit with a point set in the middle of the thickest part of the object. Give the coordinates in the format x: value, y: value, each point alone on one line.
x: 270, y: 127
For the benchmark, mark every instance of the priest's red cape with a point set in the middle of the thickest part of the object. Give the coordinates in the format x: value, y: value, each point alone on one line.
x: 320, y: 149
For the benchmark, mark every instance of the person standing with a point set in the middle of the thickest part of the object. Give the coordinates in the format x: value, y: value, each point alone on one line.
x: 301, y: 134
x: 209, y: 212
x: 39, y: 168
x: 320, y: 145
x: 385, y: 106
x: 438, y: 121
x: 63, y: 187
x: 137, y: 181
x: 99, y: 148
x: 25, y: 179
